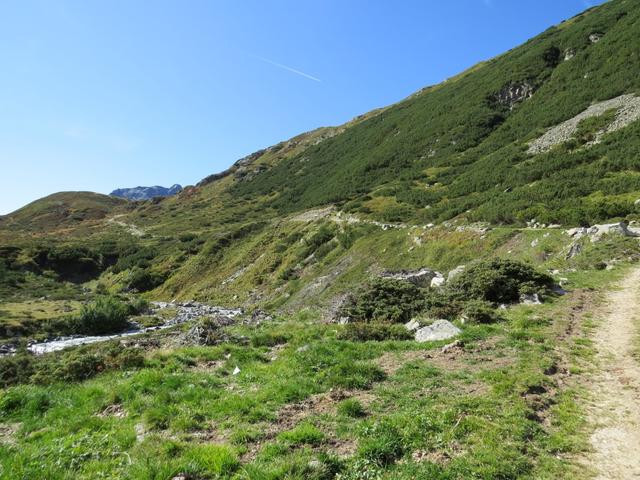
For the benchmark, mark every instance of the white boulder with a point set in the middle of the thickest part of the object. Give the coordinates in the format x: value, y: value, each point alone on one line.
x: 438, y: 330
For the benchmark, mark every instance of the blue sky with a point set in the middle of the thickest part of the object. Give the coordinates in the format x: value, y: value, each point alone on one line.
x: 96, y: 95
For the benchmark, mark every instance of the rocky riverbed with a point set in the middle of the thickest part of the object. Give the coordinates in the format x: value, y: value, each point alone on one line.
x: 185, y: 312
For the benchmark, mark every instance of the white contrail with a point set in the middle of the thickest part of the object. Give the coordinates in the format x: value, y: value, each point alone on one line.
x: 293, y: 70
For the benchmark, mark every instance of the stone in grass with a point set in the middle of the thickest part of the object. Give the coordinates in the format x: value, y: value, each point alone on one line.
x: 412, y: 325
x: 438, y: 330
x: 530, y: 299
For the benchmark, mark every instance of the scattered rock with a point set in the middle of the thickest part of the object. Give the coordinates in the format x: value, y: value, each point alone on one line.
x: 455, y: 272
x: 236, y: 371
x: 530, y: 299
x: 595, y: 37
x: 141, y: 432
x: 207, y: 331
x: 420, y: 278
x: 438, y: 330
x: 451, y: 346
x: 558, y: 290
x: 412, y: 325
x: 513, y: 93
x: 437, y: 281
x: 574, y: 250
x: 628, y: 110
x: 115, y: 410
x: 595, y: 232
x: 569, y: 53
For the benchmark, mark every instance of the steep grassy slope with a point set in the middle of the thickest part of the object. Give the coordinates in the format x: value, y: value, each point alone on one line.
x: 462, y: 145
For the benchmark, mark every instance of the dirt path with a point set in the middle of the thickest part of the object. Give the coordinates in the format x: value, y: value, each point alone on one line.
x: 615, y: 407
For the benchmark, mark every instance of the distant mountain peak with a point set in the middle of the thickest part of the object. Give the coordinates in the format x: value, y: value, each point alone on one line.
x: 145, y: 193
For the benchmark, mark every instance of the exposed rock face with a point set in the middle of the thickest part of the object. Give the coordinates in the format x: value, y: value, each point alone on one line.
x: 513, y: 93
x: 438, y: 330
x: 628, y: 107
x: 420, y: 278
x: 146, y: 193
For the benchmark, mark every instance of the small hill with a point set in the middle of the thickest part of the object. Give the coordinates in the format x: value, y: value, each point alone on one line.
x: 61, y: 210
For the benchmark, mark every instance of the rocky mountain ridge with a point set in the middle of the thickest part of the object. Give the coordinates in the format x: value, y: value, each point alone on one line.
x: 146, y: 193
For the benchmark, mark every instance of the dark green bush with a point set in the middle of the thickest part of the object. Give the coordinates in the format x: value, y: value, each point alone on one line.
x: 363, y: 332
x: 268, y: 339
x: 15, y: 369
x: 386, y: 300
x: 498, y: 281
x: 105, y: 315
x: 479, y: 311
x: 142, y: 280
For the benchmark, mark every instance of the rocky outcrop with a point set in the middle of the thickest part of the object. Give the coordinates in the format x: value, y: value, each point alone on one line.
x: 438, y: 330
x: 146, y: 193
x: 512, y: 94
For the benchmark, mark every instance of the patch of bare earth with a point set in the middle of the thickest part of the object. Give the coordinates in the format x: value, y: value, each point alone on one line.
x: 293, y: 414
x: 615, y: 407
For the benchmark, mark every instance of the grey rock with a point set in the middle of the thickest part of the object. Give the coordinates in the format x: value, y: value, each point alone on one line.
x: 530, y: 299
x: 574, y: 250
x: 595, y: 37
x: 455, y: 272
x: 420, y: 278
x: 438, y: 330
x: 437, y: 281
x: 412, y: 325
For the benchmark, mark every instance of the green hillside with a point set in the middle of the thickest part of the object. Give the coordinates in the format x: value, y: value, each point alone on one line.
x: 461, y: 147
x: 59, y: 211
x: 474, y: 181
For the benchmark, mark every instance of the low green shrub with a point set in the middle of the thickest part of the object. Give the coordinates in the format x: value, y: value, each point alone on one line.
x: 143, y: 280
x: 479, y: 311
x: 268, y: 339
x: 386, y: 300
x: 68, y: 366
x: 106, y: 315
x: 363, y: 332
x: 498, y: 281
